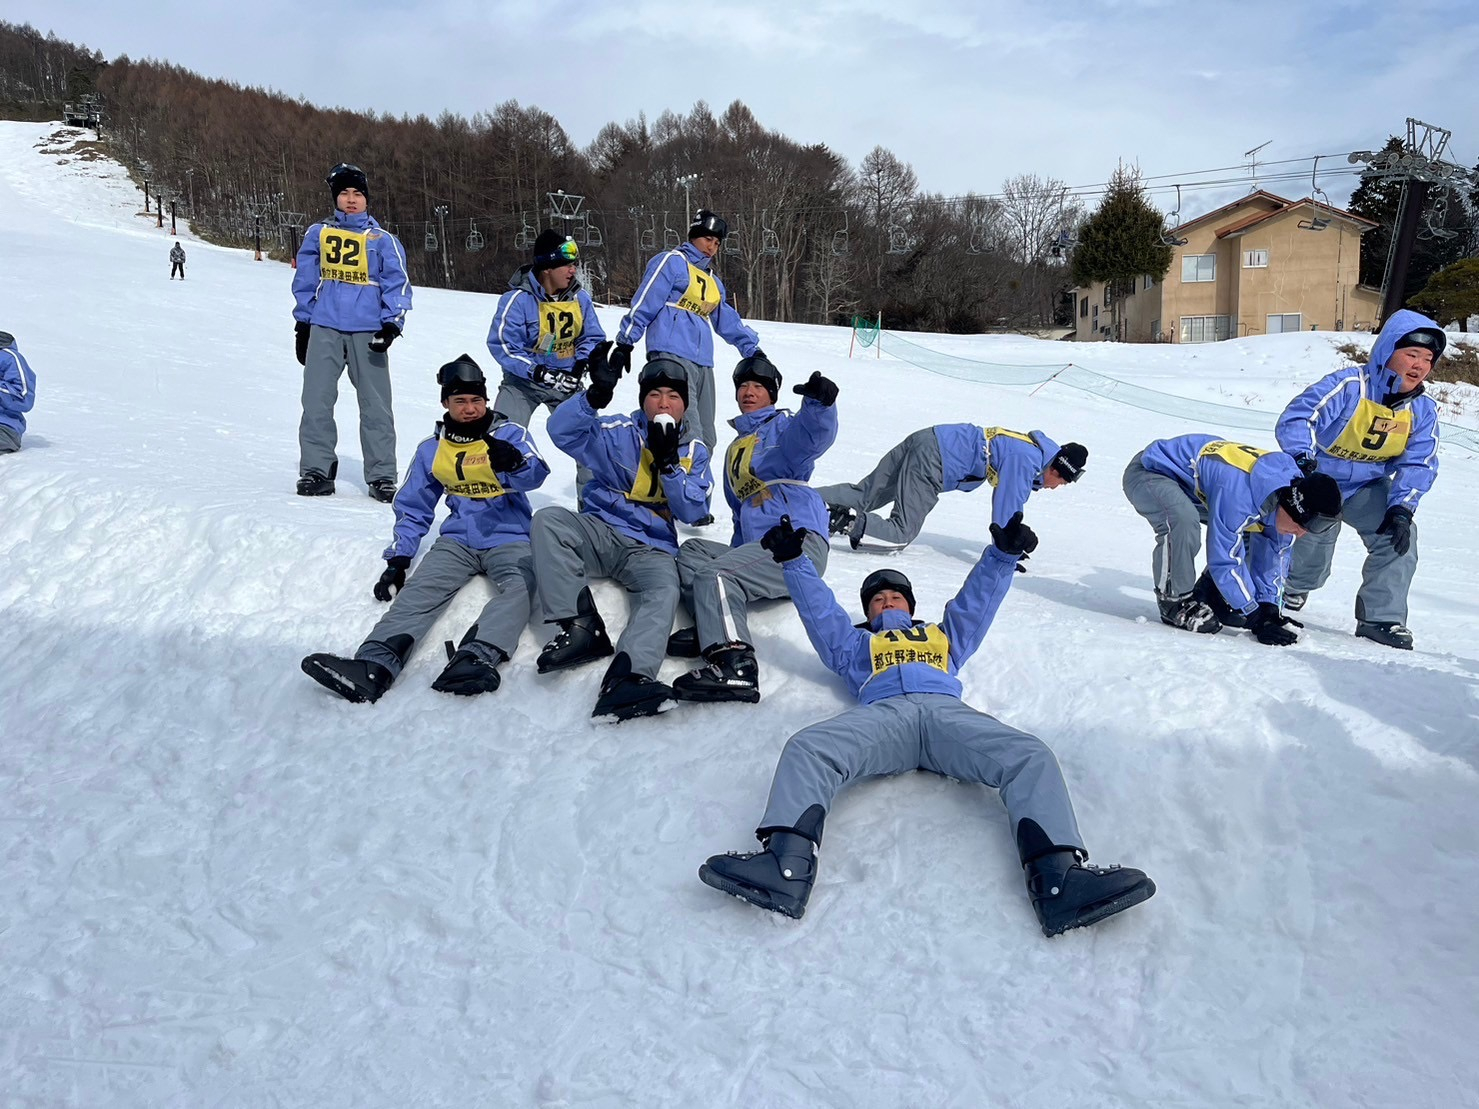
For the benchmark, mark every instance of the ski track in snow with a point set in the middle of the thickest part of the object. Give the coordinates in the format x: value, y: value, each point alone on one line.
x: 226, y: 888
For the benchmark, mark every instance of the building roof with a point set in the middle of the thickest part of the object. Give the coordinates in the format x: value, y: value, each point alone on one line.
x: 1288, y: 205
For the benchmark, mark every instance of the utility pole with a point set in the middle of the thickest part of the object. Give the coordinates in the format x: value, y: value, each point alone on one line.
x: 688, y: 180
x: 172, y: 230
x: 159, y: 202
x: 190, y: 177
x: 441, y: 211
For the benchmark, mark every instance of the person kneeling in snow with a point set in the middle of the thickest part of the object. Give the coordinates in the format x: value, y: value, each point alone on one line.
x: 17, y: 394
x: 903, y: 672
x: 484, y: 465
x: 1255, y: 503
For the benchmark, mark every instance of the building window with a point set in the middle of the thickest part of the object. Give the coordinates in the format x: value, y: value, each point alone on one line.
x: 1149, y: 281
x: 1199, y: 267
x: 1204, y: 329
x: 1255, y: 259
x: 1155, y: 330
x: 1106, y: 294
x: 1289, y: 321
x: 1083, y: 307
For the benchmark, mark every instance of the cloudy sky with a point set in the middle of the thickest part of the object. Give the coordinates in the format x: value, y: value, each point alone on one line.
x: 969, y: 94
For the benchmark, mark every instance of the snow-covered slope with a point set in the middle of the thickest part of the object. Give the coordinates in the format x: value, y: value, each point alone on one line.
x: 224, y: 887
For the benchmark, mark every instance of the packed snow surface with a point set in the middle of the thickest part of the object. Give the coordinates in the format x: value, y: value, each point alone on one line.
x: 225, y: 887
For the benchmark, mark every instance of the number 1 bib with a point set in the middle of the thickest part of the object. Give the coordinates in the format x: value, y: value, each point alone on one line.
x: 464, y: 471
x: 343, y: 255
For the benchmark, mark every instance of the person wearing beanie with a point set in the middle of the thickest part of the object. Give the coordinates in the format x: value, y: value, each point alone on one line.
x: 1254, y: 503
x: 765, y: 477
x: 910, y: 716
x: 942, y: 459
x: 1375, y: 431
x: 177, y: 262
x: 17, y: 393
x: 678, y: 306
x: 641, y: 480
x: 352, y: 295
x: 484, y: 467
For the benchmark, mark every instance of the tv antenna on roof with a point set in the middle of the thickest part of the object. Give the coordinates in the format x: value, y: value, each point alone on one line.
x: 1252, y: 156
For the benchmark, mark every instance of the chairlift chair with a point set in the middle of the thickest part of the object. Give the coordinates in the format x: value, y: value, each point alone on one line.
x: 770, y: 242
x: 671, y: 240
x: 1318, y: 199
x: 647, y: 240
x: 431, y: 243
x: 1169, y: 237
x: 734, y: 243
x: 527, y: 233
x: 899, y: 241
x: 593, y: 236
x: 475, y: 240
x: 839, y: 238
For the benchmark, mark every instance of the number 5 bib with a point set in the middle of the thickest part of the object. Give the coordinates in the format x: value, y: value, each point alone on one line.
x: 1375, y: 433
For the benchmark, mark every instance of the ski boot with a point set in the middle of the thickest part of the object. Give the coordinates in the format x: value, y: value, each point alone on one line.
x: 683, y: 643
x: 383, y: 490
x: 839, y: 519
x: 467, y: 673
x: 778, y: 878
x: 1388, y: 634
x: 1189, y: 614
x: 582, y: 638
x: 316, y: 483
x: 730, y: 675
x: 1293, y: 602
x: 354, y: 679
x: 1067, y: 893
x: 625, y: 696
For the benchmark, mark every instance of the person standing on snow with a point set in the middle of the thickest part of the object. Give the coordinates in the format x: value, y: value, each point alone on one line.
x: 910, y: 716
x: 352, y: 295
x: 1254, y: 503
x: 641, y: 480
x: 941, y: 459
x: 678, y: 306
x: 483, y: 466
x: 177, y: 262
x: 765, y: 475
x: 1374, y: 431
x: 17, y: 393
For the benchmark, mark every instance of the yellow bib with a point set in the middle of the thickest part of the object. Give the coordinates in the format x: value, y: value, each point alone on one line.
x: 1234, y: 454
x: 343, y: 255
x: 463, y: 470
x: 702, y: 294
x: 739, y: 477
x: 647, y: 486
x: 925, y: 643
x: 559, y: 327
x: 995, y: 432
x: 1374, y: 434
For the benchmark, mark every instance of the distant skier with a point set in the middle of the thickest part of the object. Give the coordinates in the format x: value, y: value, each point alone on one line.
x: 1253, y: 502
x: 1374, y: 431
x: 678, y: 306
x: 910, y: 716
x: 942, y: 459
x: 17, y: 393
x: 352, y: 297
x: 177, y: 262
x: 483, y: 466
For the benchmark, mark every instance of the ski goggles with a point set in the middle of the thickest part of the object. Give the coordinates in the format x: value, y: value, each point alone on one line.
x: 706, y: 223
x: 565, y: 254
x: 464, y: 371
x: 1319, y: 523
x: 760, y: 370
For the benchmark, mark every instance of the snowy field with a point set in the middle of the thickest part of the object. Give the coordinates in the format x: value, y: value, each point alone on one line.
x: 224, y: 887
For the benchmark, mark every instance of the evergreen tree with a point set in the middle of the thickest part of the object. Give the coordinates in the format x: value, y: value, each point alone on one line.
x: 1451, y: 294
x: 1121, y: 240
x: 1380, y: 199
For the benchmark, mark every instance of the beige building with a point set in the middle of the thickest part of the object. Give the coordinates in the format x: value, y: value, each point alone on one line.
x: 1259, y: 266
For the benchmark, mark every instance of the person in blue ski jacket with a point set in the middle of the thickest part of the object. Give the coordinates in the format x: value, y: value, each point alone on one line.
x: 1253, y: 502
x: 1375, y: 431
x: 543, y: 331
x: 942, y: 459
x: 766, y: 471
x: 642, y: 479
x: 351, y: 297
x: 679, y: 305
x: 483, y: 466
x: 904, y: 674
x: 17, y: 393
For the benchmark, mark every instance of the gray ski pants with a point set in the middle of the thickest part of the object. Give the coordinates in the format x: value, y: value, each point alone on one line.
x: 570, y: 548
x: 445, y: 569
x: 329, y: 351
x: 720, y: 581
x: 911, y: 476
x: 699, y: 420
x: 1177, y: 518
x: 1386, y: 576
x: 10, y: 439
x: 922, y: 731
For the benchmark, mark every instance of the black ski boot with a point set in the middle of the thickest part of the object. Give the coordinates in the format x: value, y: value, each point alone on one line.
x: 1387, y: 634
x: 1293, y: 602
x: 1069, y: 894
x: 354, y: 679
x: 683, y: 643
x: 383, y: 490
x: 582, y: 638
x: 316, y: 483
x: 779, y: 878
x: 467, y: 674
x: 839, y: 519
x: 1189, y: 614
x: 731, y: 675
x: 1207, y: 592
x: 625, y: 696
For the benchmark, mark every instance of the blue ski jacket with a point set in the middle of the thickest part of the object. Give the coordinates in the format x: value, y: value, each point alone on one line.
x: 767, y: 467
x: 351, y: 276
x: 626, y: 490
x: 485, y: 509
x: 531, y: 328
x: 678, y: 306
x: 1357, y: 429
x: 1247, y: 557
x: 897, y: 654
x: 1012, y: 461
x: 17, y: 385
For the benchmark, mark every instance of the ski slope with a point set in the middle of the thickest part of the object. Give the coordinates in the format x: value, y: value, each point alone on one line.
x: 224, y: 887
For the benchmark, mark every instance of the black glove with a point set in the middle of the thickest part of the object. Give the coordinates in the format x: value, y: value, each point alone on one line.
x: 561, y: 381
x: 581, y: 365
x: 1307, y: 464
x: 1268, y: 626
x: 503, y: 456
x: 758, y: 353
x: 662, y: 441
x: 393, y: 580
x: 605, y: 373
x: 621, y: 359
x: 821, y: 389
x: 1014, y: 539
x: 300, y: 341
x: 1398, y: 524
x: 387, y: 334
x: 783, y: 541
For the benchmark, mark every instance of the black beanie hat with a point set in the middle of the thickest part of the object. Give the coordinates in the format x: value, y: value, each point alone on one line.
x: 462, y: 376
x: 1070, y: 461
x: 879, y: 580
x: 706, y: 223
x: 346, y: 176
x: 662, y: 373
x: 1312, y: 501
x: 1428, y: 338
x: 547, y: 252
x: 759, y: 368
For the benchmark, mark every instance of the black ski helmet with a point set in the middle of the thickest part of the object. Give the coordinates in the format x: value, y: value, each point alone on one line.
x: 462, y: 376
x: 706, y: 223
x: 662, y: 373
x: 347, y: 176
x: 759, y: 368
x: 879, y: 580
